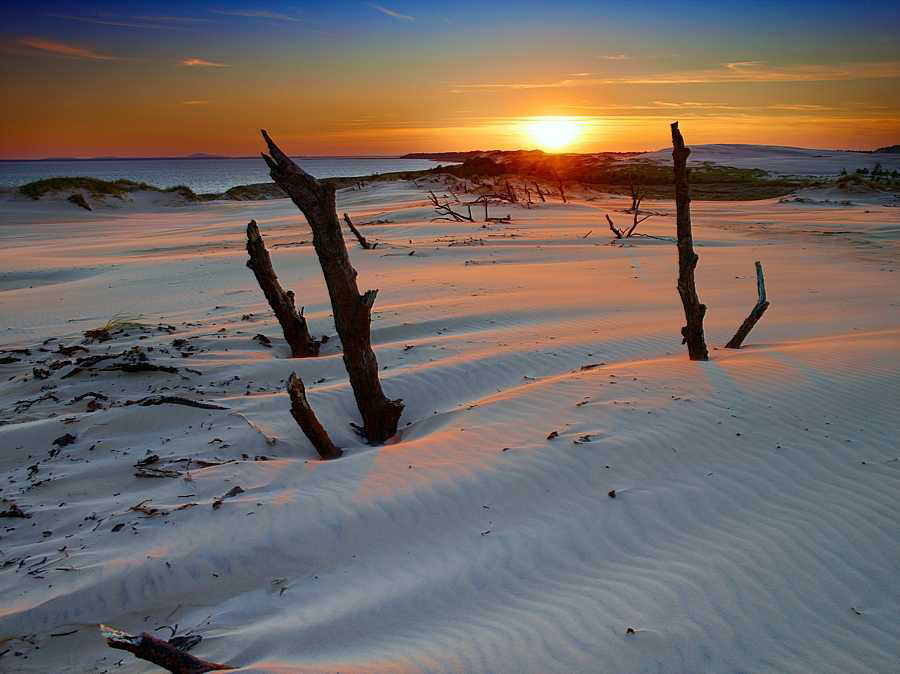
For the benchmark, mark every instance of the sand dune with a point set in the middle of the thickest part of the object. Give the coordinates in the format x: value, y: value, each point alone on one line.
x: 794, y: 161
x: 754, y: 525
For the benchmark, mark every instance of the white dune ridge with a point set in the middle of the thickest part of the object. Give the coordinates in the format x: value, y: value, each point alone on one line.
x: 754, y: 526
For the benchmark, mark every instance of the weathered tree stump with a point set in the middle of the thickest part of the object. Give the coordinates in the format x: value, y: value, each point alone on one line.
x: 352, y: 311
x: 694, y: 311
x: 755, y: 314
x: 293, y: 324
x: 308, y: 421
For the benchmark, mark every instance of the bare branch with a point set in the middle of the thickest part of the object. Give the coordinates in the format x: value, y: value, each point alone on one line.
x: 755, y: 314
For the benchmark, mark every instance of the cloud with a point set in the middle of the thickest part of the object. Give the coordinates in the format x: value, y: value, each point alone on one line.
x: 109, y: 22
x: 67, y: 50
x: 616, y: 57
x: 256, y: 14
x: 799, y: 107
x: 743, y: 71
x: 194, y: 102
x: 202, y: 63
x: 390, y: 12
x: 173, y: 19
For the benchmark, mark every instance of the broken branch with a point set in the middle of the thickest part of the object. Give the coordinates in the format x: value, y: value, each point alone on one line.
x: 293, y: 324
x: 306, y: 418
x: 755, y: 314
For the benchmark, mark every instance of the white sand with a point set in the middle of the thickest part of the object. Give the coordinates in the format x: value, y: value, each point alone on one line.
x: 755, y: 526
x: 795, y: 161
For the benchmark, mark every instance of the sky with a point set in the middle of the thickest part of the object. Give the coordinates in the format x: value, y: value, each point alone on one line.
x: 384, y: 78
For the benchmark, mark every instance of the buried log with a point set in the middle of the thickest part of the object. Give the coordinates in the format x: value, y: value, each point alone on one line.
x: 305, y: 417
x: 170, y: 655
x: 352, y: 311
x: 694, y: 311
x: 293, y: 324
x: 755, y: 314
x: 359, y: 237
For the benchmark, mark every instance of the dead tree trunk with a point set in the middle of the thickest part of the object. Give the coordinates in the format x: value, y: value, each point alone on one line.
x: 359, y: 237
x: 539, y: 192
x: 694, y: 311
x: 165, y: 654
x: 562, y: 191
x: 755, y: 314
x: 293, y: 324
x: 305, y: 417
x: 352, y: 311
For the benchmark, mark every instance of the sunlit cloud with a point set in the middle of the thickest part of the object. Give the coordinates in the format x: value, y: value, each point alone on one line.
x: 390, y: 12
x: 256, y: 14
x: 745, y: 71
x: 66, y: 50
x: 203, y: 63
x: 616, y: 57
x: 194, y: 102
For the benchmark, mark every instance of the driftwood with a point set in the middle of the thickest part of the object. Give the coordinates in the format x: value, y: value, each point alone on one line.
x: 352, y: 311
x: 628, y: 233
x: 169, y: 400
x: 755, y: 314
x: 694, y: 311
x: 170, y: 655
x: 293, y: 324
x: 447, y: 213
x: 305, y: 417
x: 359, y: 237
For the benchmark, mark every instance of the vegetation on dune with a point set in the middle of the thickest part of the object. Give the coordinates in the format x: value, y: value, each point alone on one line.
x: 96, y: 187
x: 610, y: 174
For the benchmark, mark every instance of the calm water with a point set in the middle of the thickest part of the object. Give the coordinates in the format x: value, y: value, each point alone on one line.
x: 201, y: 175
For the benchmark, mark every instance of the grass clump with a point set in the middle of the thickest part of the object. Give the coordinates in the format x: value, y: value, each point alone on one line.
x: 115, y: 325
x: 96, y: 187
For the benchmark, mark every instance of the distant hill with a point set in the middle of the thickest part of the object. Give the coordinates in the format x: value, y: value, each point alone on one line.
x: 890, y: 149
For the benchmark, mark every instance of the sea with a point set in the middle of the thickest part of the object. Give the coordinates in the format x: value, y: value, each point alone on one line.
x: 201, y: 175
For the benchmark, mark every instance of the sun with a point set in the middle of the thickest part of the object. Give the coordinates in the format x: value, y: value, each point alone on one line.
x: 553, y: 133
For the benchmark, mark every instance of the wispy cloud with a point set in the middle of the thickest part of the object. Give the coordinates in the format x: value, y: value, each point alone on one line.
x: 173, y: 19
x: 194, y: 102
x: 744, y: 71
x: 615, y: 57
x: 390, y: 12
x: 256, y: 14
x: 110, y: 21
x: 203, y: 63
x: 66, y: 50
x: 801, y: 107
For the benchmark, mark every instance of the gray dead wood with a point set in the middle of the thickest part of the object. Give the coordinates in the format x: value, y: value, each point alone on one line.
x: 293, y: 324
x: 755, y: 314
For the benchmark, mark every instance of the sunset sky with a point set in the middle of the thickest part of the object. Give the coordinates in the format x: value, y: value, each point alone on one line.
x: 350, y: 77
